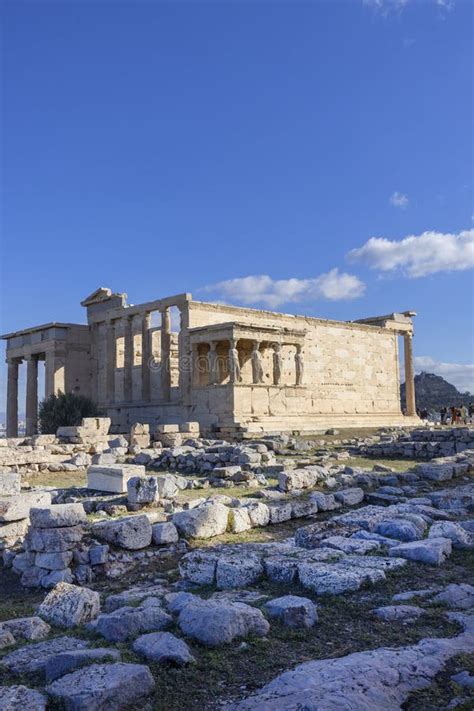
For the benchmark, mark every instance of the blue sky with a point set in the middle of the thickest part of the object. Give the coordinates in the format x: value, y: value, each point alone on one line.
x: 160, y: 147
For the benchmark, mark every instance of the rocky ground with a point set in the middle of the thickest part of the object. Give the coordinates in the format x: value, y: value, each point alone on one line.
x: 318, y: 575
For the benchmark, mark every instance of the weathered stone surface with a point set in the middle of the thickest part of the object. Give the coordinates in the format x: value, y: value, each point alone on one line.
x: 459, y: 537
x: 235, y: 571
x: 13, y: 532
x: 65, y: 662
x: 364, y: 681
x: 53, y: 577
x: 163, y: 533
x: 349, y: 497
x: 457, y: 596
x: 324, y: 502
x: 239, y: 520
x: 17, y: 507
x: 6, y: 639
x: 113, y: 477
x: 134, y: 595
x: 98, y: 555
x: 433, y: 551
x: 324, y: 578
x: 47, y: 540
x: 33, y: 658
x: 205, y: 521
x: 58, y: 515
x: 10, y: 483
x: 259, y: 514
x: 398, y: 528
x: 129, y: 622
x: 199, y: 567
x: 131, y: 532
x: 57, y: 560
x: 69, y: 605
x: 293, y: 611
x: 214, y: 623
x: 21, y: 698
x: 142, y: 490
x: 398, y: 613
x: 31, y: 628
x: 103, y: 687
x: 163, y: 647
x: 297, y: 479
x: 350, y: 545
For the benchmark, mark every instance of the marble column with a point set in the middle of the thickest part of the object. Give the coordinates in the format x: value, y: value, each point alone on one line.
x: 409, y: 374
x: 277, y: 364
x: 257, y: 366
x: 128, y: 360
x: 12, y: 398
x: 146, y: 357
x: 165, y: 354
x: 31, y: 395
x: 213, y: 364
x: 110, y: 361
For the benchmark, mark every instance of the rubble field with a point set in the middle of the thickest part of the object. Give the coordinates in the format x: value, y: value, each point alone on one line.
x: 161, y: 570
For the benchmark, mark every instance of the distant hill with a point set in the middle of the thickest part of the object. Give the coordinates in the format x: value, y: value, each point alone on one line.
x: 432, y: 392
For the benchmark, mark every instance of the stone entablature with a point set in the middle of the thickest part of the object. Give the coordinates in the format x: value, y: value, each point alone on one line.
x: 172, y: 360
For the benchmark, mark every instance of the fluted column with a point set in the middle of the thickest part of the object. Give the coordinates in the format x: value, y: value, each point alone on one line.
x: 128, y: 360
x: 165, y: 354
x: 409, y: 374
x: 213, y: 363
x: 110, y: 361
x: 146, y: 357
x: 31, y: 395
x: 12, y: 398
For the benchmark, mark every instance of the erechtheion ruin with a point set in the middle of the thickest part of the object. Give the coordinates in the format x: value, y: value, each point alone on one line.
x: 231, y: 369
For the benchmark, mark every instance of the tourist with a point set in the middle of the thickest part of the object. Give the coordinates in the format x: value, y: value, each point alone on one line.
x: 471, y: 411
x: 443, y: 413
x: 454, y: 415
x: 463, y: 414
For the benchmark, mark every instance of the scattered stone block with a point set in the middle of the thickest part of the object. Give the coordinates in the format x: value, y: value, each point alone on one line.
x: 349, y: 497
x: 164, y: 533
x: 30, y: 628
x: 398, y: 613
x: 293, y: 611
x: 398, y: 528
x: 432, y: 551
x: 213, y: 623
x: 129, y: 622
x: 238, y: 571
x: 10, y: 483
x: 58, y: 516
x: 66, y: 662
x: 48, y: 540
x: 131, y: 532
x: 142, y: 490
x: 69, y: 605
x: 204, y: 521
x: 57, y: 560
x: 457, y: 596
x: 459, y: 537
x: 103, y: 686
x: 6, y: 639
x: 17, y: 507
x: 163, y: 647
x: 98, y: 555
x: 21, y: 698
x: 114, y: 477
x: 33, y: 658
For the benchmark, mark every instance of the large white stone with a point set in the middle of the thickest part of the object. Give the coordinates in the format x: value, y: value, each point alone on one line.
x: 113, y: 478
x: 10, y: 483
x: 204, y: 521
x: 215, y: 623
x: 70, y: 605
x: 14, y: 508
x: 58, y: 516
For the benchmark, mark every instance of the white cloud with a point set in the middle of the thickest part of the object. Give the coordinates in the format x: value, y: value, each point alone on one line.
x: 387, y: 6
x: 262, y: 289
x: 459, y: 374
x: 399, y: 200
x: 419, y: 255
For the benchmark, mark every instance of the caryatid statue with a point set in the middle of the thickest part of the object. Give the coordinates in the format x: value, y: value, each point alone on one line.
x: 234, y: 364
x: 299, y: 365
x: 277, y: 364
x: 257, y: 366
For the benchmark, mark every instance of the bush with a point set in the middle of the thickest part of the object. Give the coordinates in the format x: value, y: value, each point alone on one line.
x: 64, y: 409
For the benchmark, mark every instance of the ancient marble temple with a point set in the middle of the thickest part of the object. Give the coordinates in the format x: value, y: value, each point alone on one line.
x: 231, y: 369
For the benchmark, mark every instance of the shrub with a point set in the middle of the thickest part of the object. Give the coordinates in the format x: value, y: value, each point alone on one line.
x: 64, y: 409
